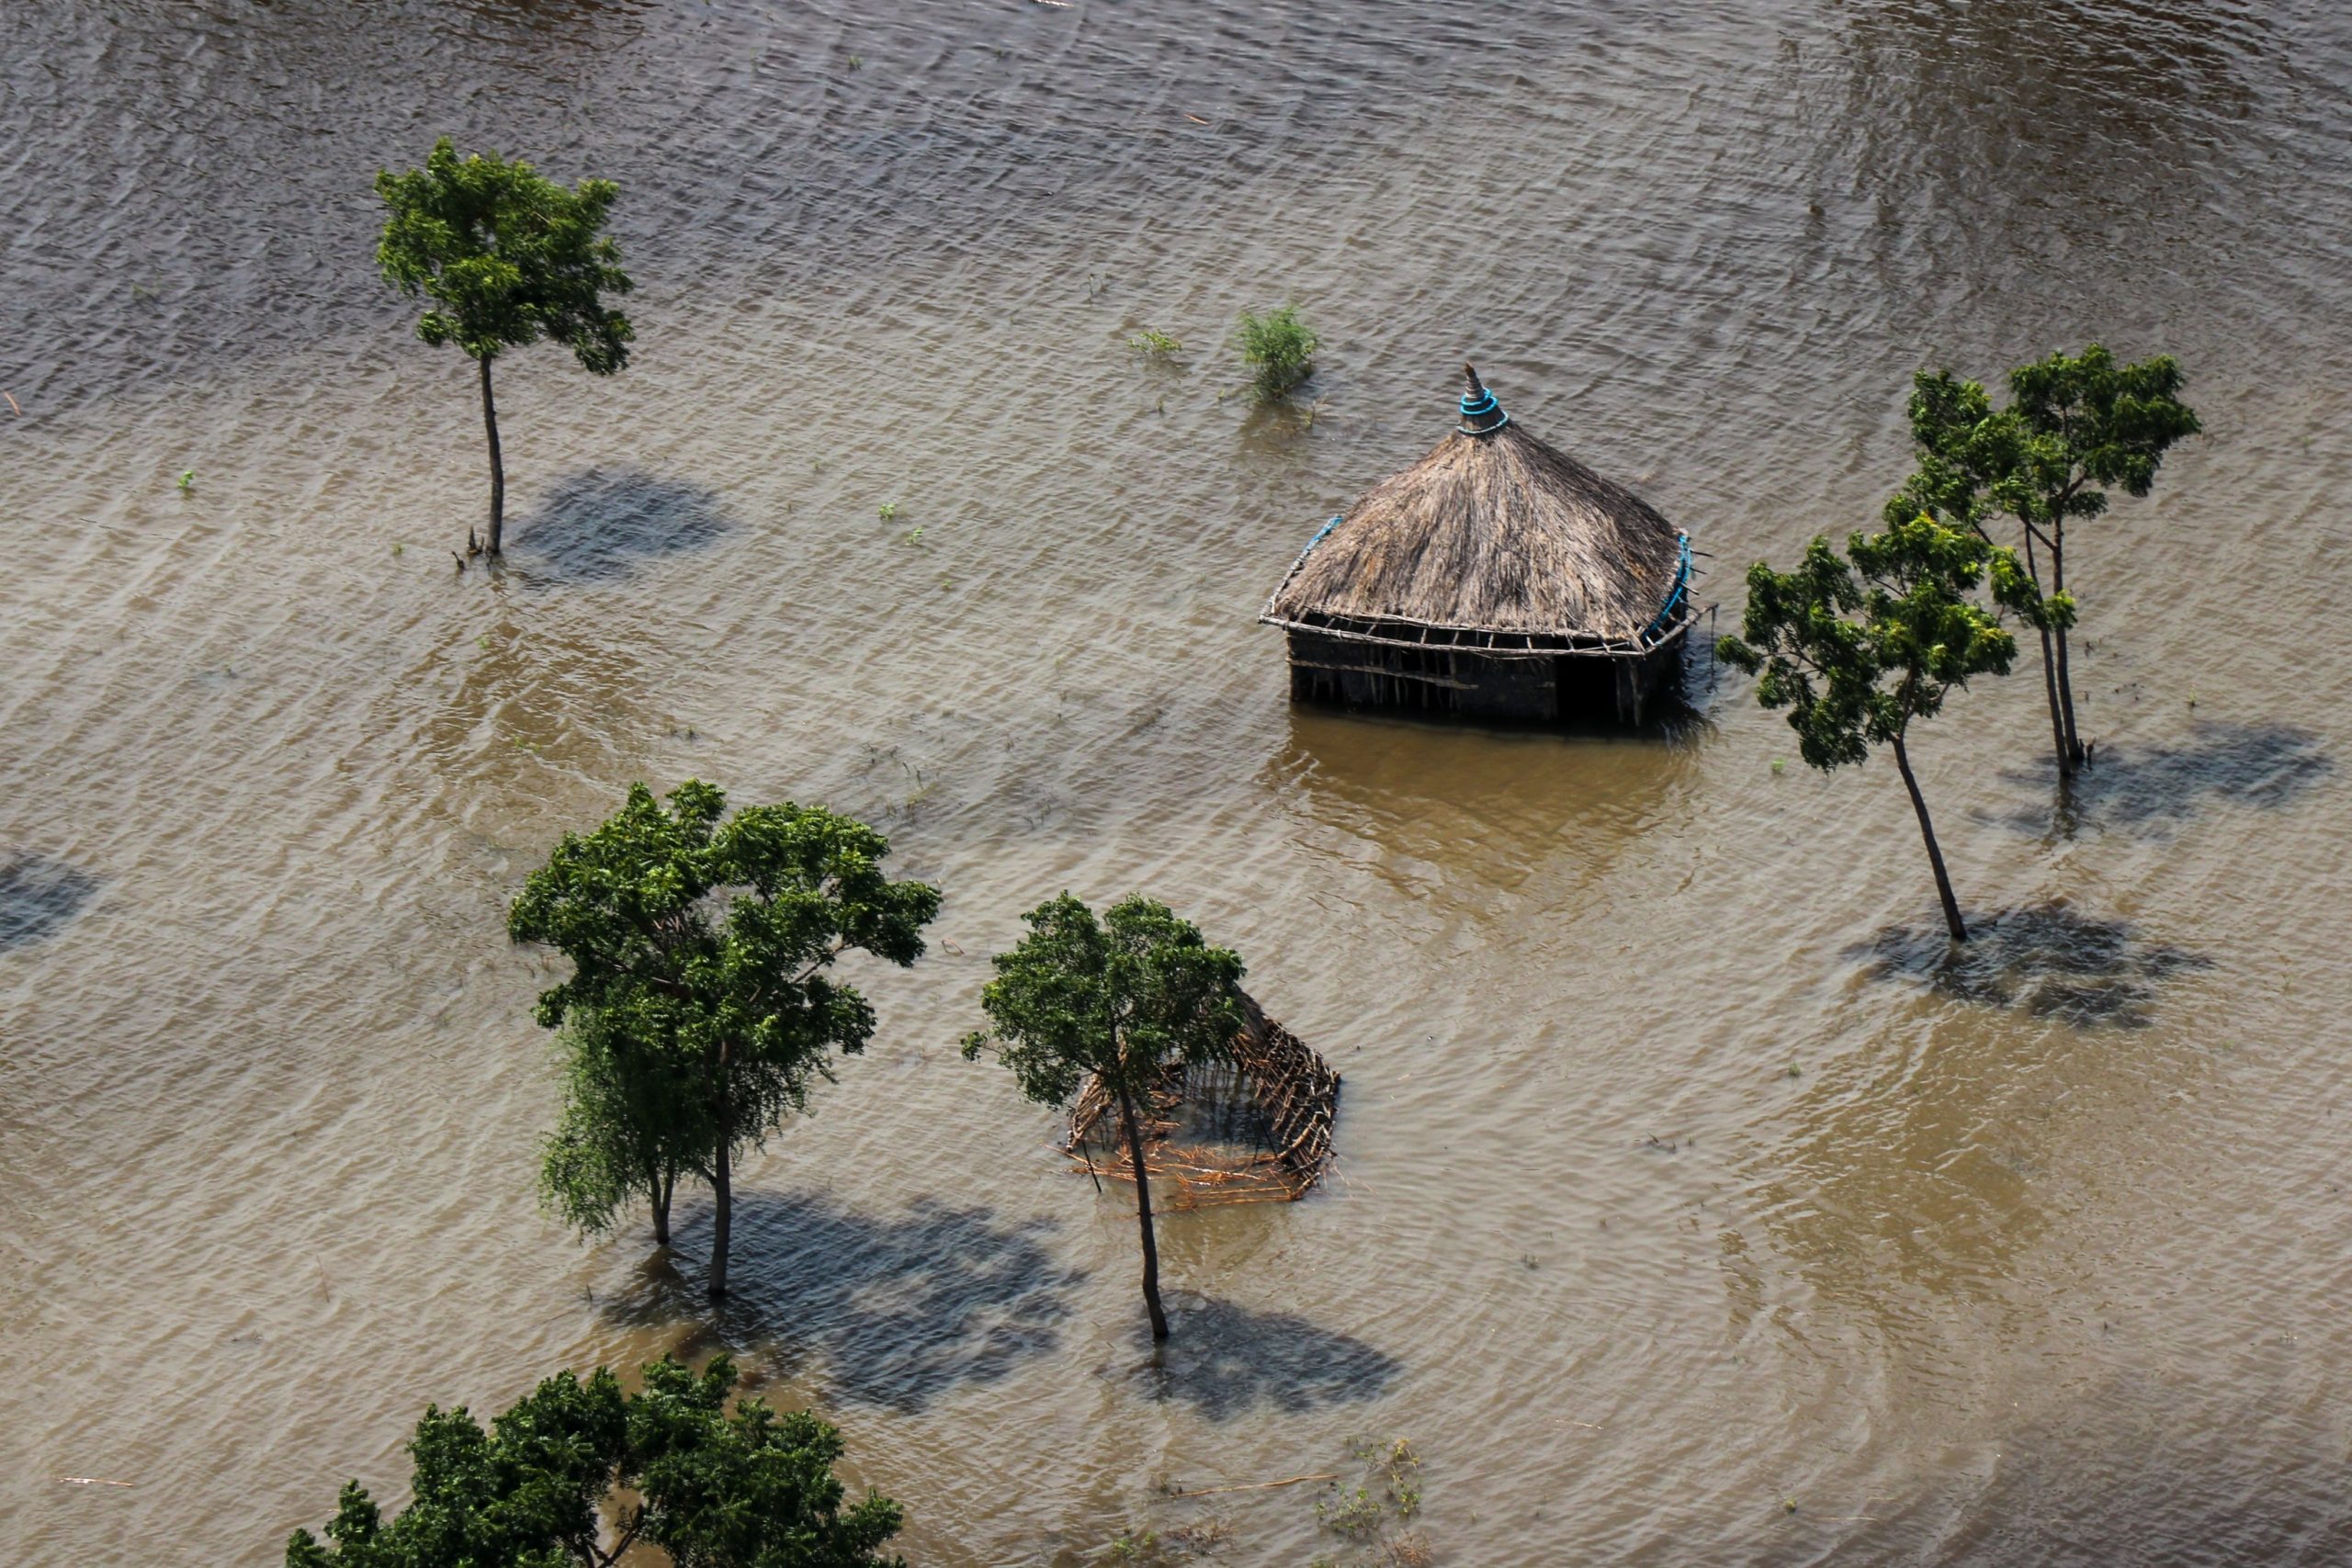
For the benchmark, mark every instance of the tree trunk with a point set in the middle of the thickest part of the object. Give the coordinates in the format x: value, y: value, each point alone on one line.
x: 2050, y: 672
x: 497, y: 463
x: 722, y: 1184
x: 664, y: 1182
x: 2074, y: 742
x: 1142, y: 1215
x: 722, y: 1219
x: 1935, y: 855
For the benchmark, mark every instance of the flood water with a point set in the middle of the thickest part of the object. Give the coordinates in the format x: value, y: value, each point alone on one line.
x: 1690, y: 1209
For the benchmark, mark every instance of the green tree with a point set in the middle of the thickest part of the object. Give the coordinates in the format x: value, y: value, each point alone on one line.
x: 1857, y: 651
x: 2073, y: 426
x: 635, y: 1114
x: 506, y: 257
x: 1124, y: 997
x: 704, y: 943
x: 543, y: 1487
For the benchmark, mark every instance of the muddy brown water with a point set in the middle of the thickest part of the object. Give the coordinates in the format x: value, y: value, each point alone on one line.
x: 1680, y: 1181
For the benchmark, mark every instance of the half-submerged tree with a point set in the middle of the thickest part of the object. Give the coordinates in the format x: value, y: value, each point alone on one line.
x: 702, y: 1004
x: 2073, y: 426
x: 506, y: 257
x: 581, y: 1473
x: 1858, y: 649
x: 1125, y: 997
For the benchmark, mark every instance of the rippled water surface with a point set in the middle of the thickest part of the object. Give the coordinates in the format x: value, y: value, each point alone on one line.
x: 1693, y: 1207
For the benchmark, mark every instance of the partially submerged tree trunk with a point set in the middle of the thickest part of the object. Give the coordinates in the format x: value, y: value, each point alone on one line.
x: 497, y: 462
x: 660, y: 1182
x: 1953, y: 922
x: 722, y: 1186
x: 1127, y: 1124
x: 2071, y: 741
x: 2049, y: 667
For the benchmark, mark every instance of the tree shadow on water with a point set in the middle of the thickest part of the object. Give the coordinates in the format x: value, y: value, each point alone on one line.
x: 1226, y: 1360
x: 38, y: 896
x: 2146, y: 789
x: 896, y: 1311
x: 2046, y: 961
x: 601, y: 524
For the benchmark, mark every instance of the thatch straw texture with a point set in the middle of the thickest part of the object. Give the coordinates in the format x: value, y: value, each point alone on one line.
x: 1491, y: 533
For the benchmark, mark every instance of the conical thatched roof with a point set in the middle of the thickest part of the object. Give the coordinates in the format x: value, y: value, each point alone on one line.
x: 1498, y: 537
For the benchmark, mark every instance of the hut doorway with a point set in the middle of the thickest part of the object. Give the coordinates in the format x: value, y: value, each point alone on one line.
x: 1588, y: 687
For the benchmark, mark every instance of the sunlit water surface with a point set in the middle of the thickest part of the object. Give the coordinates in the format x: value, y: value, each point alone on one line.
x: 1689, y: 1213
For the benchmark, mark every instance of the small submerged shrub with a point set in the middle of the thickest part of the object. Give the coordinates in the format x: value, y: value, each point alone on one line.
x: 1279, y: 348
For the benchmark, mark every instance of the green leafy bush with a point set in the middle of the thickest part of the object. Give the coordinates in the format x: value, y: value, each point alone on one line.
x: 1279, y: 348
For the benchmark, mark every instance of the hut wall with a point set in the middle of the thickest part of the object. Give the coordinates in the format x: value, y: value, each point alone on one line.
x: 1439, y: 682
x: 1435, y: 681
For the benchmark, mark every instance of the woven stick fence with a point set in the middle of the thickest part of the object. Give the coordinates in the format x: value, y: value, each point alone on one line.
x: 1275, y: 1093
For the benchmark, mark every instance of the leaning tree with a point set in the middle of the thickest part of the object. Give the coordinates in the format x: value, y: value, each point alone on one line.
x: 701, y: 948
x: 1858, y: 649
x: 1124, y: 997
x: 506, y: 257
x: 2073, y: 426
x: 582, y: 1476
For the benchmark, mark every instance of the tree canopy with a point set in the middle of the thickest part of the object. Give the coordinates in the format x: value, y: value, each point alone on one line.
x: 541, y: 1487
x: 1858, y: 649
x: 636, y: 1113
x: 701, y: 947
x: 1123, y: 996
x: 505, y: 257
x: 2075, y: 426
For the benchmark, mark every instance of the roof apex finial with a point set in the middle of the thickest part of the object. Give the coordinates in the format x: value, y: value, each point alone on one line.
x: 1481, y: 415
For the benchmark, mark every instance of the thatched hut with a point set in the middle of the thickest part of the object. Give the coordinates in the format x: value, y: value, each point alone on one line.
x: 1496, y: 578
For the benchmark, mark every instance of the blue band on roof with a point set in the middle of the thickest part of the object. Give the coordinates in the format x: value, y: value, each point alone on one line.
x: 1681, y: 587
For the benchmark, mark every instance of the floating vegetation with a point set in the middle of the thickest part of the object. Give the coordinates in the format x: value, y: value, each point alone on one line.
x: 1154, y: 344
x: 187, y: 480
x: 1372, y: 1514
x: 888, y: 512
